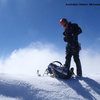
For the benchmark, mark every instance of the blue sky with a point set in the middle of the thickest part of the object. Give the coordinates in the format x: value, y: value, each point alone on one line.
x: 25, y: 21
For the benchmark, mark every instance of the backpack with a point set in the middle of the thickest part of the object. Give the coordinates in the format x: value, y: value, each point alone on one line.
x: 57, y: 71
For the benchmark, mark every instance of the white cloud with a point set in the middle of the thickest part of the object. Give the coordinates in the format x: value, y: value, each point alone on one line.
x: 38, y: 56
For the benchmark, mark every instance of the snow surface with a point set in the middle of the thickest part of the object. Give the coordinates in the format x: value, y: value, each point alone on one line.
x: 14, y: 87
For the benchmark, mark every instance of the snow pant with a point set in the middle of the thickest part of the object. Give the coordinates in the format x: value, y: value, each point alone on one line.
x: 73, y: 51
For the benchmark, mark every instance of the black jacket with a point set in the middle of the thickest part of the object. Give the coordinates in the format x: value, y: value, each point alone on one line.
x: 71, y: 34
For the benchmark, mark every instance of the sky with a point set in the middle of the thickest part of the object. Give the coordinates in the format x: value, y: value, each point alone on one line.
x: 24, y: 23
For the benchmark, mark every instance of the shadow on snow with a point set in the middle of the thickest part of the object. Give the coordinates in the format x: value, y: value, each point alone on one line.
x: 77, y: 86
x: 21, y: 90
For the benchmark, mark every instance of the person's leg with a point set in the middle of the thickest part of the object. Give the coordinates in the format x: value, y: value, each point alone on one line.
x: 78, y: 63
x: 68, y: 60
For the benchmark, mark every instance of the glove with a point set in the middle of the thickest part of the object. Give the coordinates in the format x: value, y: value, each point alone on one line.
x: 65, y: 39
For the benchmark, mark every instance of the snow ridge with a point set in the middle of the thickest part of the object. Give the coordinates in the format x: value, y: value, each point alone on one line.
x: 47, y: 88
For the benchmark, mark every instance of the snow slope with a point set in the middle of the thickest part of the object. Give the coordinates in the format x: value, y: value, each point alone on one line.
x: 14, y: 87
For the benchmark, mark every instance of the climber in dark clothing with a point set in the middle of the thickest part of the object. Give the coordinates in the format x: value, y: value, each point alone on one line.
x: 73, y: 47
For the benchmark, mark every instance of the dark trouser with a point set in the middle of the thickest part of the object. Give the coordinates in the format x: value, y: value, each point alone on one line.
x: 70, y: 51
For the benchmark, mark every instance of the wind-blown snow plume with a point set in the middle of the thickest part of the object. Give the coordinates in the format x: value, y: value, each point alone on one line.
x: 28, y: 60
x: 37, y: 56
x: 90, y: 62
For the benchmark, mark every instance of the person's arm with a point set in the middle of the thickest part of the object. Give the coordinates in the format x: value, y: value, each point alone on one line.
x: 76, y: 29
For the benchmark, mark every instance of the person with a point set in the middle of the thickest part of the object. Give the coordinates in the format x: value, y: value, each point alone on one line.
x: 73, y: 47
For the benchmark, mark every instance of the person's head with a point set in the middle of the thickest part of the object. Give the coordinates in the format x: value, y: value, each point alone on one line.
x: 63, y: 22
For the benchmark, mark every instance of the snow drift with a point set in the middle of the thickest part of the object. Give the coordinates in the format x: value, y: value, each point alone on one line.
x: 47, y: 88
